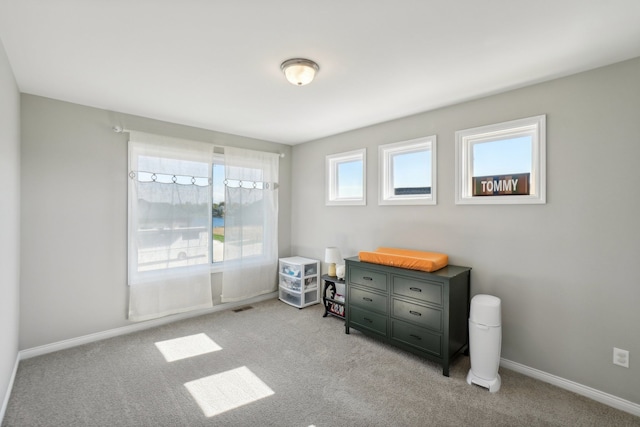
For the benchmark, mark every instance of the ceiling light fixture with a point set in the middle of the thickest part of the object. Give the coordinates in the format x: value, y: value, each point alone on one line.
x: 299, y: 71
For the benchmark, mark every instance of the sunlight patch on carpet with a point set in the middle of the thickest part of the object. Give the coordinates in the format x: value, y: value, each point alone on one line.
x: 185, y: 347
x: 228, y: 390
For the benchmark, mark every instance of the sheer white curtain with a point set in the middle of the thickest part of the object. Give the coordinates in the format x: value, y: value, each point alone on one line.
x: 250, y: 224
x: 169, y: 226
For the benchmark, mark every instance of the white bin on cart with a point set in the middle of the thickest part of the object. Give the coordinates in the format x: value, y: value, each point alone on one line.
x: 485, y: 340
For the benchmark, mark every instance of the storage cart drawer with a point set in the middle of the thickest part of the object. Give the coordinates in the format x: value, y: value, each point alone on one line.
x: 289, y: 269
x: 290, y: 297
x: 289, y: 282
x: 310, y: 297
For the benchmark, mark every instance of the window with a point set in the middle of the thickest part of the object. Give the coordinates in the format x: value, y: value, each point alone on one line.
x: 218, y: 209
x: 251, y: 224
x: 168, y: 213
x: 502, y: 163
x: 159, y: 247
x: 171, y: 191
x: 407, y: 172
x: 346, y: 182
x: 190, y: 207
x: 169, y: 220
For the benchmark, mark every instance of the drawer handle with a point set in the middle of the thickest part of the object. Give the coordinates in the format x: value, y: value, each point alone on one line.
x: 368, y: 278
x: 367, y: 299
x: 367, y: 319
x: 415, y: 313
x: 416, y: 337
x: 415, y: 289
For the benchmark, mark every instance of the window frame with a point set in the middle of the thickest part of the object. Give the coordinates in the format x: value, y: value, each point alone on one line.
x: 385, y: 169
x: 332, y: 180
x: 535, y: 127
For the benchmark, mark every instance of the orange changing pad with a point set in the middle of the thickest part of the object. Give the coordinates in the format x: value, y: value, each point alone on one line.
x: 406, y: 258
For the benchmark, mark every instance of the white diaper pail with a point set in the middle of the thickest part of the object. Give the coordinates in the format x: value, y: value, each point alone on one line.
x: 485, y: 340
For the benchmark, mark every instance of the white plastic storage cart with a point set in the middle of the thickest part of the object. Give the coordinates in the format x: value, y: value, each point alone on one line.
x: 299, y: 281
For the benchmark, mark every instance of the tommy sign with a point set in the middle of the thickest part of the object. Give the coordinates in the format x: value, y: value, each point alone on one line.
x: 501, y: 185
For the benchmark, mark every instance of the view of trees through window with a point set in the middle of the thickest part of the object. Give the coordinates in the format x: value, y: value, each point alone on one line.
x: 251, y: 206
x: 217, y: 212
x: 171, y: 211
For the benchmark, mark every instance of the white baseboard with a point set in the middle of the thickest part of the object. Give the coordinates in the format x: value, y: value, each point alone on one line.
x: 86, y: 339
x: 7, y: 395
x: 591, y: 393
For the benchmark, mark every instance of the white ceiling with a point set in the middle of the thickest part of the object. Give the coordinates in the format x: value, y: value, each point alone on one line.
x: 216, y: 64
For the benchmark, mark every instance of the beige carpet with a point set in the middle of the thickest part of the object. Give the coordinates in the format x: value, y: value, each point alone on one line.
x: 275, y: 365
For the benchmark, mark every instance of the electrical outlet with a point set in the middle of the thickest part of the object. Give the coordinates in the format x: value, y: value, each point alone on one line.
x: 620, y: 357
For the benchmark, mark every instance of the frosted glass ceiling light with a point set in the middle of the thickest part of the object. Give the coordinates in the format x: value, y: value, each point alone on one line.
x: 299, y: 71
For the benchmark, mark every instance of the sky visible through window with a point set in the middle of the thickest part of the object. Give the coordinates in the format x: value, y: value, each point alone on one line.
x: 412, y: 170
x: 502, y: 157
x: 350, y: 179
x: 218, y: 183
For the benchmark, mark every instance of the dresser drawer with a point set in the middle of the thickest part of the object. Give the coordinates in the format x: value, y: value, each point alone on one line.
x: 419, y: 314
x: 368, y: 278
x: 368, y: 320
x: 368, y: 300
x: 416, y: 336
x: 418, y: 289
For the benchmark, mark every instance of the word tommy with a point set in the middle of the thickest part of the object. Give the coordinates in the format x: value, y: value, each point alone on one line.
x: 507, y: 185
x: 501, y: 185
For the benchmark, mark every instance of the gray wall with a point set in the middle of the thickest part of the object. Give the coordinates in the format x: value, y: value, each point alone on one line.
x: 565, y: 271
x: 74, y: 215
x: 9, y: 222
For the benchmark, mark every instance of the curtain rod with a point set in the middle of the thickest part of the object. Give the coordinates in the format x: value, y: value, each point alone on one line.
x: 120, y: 129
